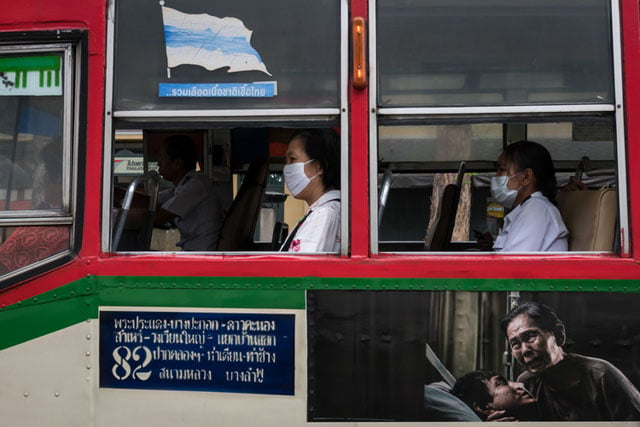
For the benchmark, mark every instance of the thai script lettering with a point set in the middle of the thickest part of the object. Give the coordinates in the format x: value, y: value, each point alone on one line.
x: 218, y: 90
x: 182, y: 355
x: 197, y: 351
x: 248, y: 376
x: 259, y: 340
x: 182, y: 337
x: 185, y: 374
x: 250, y: 325
x: 255, y: 355
x: 147, y: 324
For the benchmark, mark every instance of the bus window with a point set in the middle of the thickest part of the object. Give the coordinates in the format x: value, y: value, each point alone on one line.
x: 423, y: 160
x: 36, y: 207
x: 453, y: 101
x: 255, y: 217
x: 238, y: 82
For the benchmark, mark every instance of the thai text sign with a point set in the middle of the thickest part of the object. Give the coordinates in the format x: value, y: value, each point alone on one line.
x: 228, y: 352
x: 218, y: 90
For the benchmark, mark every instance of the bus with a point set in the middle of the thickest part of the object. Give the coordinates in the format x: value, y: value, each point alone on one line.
x: 105, y: 321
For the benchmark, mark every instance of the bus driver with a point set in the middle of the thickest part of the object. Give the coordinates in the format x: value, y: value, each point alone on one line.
x: 192, y: 204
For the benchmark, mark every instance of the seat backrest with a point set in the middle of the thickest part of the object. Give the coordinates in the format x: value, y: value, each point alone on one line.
x: 446, y: 218
x: 590, y: 217
x: 240, y: 223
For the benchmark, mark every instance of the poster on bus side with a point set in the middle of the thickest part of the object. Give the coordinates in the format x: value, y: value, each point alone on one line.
x: 474, y: 356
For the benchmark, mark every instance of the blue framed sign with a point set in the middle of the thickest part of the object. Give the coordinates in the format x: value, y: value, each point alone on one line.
x: 200, y: 351
x: 218, y: 90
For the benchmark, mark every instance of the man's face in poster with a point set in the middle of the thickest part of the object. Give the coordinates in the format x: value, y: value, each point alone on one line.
x: 534, y: 348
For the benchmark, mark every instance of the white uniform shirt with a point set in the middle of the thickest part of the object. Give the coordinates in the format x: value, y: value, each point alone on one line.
x: 199, y: 212
x: 320, y: 231
x: 533, y: 226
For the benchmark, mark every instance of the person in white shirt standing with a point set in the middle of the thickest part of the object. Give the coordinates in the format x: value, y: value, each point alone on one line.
x: 312, y: 174
x: 525, y: 182
x: 192, y: 205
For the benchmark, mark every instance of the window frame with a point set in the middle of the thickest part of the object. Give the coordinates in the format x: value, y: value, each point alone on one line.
x: 226, y: 117
x: 427, y: 115
x: 71, y: 45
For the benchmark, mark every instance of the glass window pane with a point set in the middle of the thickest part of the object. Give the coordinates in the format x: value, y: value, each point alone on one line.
x: 440, y: 143
x: 574, y: 140
x: 210, y: 54
x: 498, y: 52
x: 31, y: 131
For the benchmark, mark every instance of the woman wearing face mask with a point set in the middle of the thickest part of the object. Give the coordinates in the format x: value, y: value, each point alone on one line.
x: 312, y: 174
x: 525, y: 182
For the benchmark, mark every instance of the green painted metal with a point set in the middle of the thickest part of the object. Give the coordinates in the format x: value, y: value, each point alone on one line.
x: 80, y: 300
x: 22, y: 64
x: 302, y: 283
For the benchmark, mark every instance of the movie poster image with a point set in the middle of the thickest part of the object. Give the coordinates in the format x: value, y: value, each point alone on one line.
x: 473, y: 356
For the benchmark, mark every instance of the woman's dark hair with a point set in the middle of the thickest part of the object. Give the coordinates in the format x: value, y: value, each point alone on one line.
x: 542, y: 315
x: 472, y: 389
x: 182, y: 147
x: 323, y: 146
x: 529, y: 154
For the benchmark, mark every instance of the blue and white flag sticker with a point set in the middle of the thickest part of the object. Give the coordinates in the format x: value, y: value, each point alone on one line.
x: 209, y: 41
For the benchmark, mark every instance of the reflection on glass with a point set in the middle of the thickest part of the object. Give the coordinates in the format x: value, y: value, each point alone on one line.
x: 440, y: 142
x: 464, y: 52
x: 299, y: 48
x: 31, y: 123
x: 571, y: 141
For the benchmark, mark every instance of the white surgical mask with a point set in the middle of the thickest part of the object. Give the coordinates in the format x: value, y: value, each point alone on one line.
x: 295, y: 178
x: 501, y: 193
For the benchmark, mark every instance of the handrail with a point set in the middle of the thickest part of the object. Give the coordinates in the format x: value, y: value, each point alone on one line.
x: 584, y: 167
x: 151, y: 181
x: 384, y: 194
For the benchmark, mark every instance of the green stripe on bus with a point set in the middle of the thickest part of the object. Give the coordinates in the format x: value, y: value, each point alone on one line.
x: 303, y: 283
x: 80, y: 300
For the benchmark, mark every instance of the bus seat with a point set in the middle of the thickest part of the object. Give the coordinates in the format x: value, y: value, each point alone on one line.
x: 138, y: 237
x: 240, y: 223
x: 446, y: 219
x: 590, y: 217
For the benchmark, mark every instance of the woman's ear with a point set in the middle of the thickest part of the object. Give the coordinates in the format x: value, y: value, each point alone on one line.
x: 318, y: 168
x: 528, y: 176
